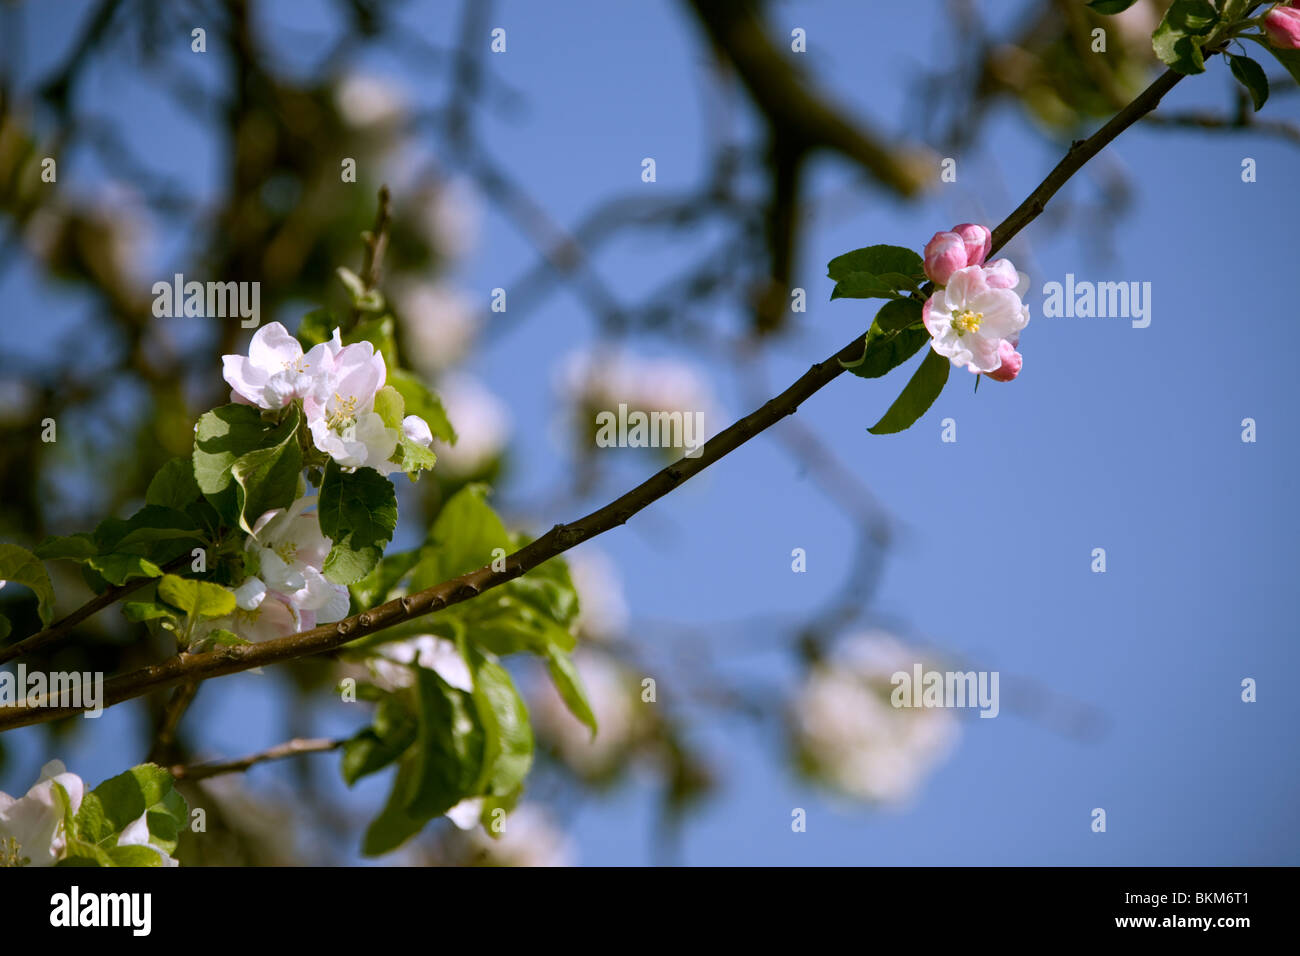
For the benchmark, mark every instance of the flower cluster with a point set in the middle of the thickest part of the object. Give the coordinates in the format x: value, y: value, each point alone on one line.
x: 32, y: 828
x: 1282, y: 25
x: 850, y: 736
x: 975, y: 316
x: 336, y: 385
x: 288, y: 592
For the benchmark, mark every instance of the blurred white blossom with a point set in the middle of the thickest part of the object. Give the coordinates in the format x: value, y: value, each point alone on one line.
x: 614, y: 699
x: 439, y: 324
x: 481, y: 421
x: 447, y: 215
x: 369, y: 101
x: 603, y: 611
x: 849, y: 734
x: 529, y: 837
x: 391, y: 663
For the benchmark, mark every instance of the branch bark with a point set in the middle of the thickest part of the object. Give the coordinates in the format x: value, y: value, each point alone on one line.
x: 291, y: 748
x: 197, y: 667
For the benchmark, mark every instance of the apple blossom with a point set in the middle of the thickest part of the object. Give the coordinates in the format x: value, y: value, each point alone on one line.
x: 482, y: 424
x: 602, y: 604
x: 392, y: 664
x: 945, y: 253
x: 978, y: 242
x: 343, y: 422
x: 1001, y: 274
x: 851, y: 736
x: 439, y: 324
x: 1011, y: 363
x: 276, y: 372
x: 968, y: 319
x: 1282, y: 24
x: 31, y: 826
x: 291, y: 550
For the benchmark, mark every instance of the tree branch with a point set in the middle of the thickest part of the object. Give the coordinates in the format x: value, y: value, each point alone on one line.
x: 61, y: 627
x: 562, y: 537
x: 291, y: 748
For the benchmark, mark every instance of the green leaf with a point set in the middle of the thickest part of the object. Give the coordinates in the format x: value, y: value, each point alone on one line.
x: 508, y: 739
x: 73, y: 547
x: 134, y: 856
x: 268, y: 477
x: 358, y: 511
x: 374, y: 748
x: 565, y: 677
x: 898, y: 314
x: 199, y: 598
x: 862, y: 285
x: 463, y: 538
x: 413, y: 457
x: 1290, y: 59
x: 146, y: 611
x: 79, y: 853
x: 145, y: 790
x: 918, y: 395
x: 378, y: 331
x: 1177, y: 40
x: 450, y: 746
x: 352, y: 282
x: 885, y: 351
x: 154, y: 532
x: 377, y: 586
x: 1110, y: 7
x: 1252, y: 76
x: 439, y: 769
x: 117, y: 569
x: 876, y: 260
x: 390, y: 406
x: 422, y: 402
x: 20, y: 565
x: 316, y: 327
x: 174, y: 485
x: 224, y: 436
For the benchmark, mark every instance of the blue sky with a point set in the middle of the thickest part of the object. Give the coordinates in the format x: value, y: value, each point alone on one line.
x: 1113, y: 437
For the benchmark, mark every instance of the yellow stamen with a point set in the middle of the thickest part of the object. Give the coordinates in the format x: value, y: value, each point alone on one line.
x: 967, y: 321
x: 344, y: 413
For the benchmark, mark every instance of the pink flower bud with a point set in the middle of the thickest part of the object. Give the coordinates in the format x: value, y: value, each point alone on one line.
x: 1282, y: 24
x: 944, y: 255
x: 978, y: 242
x: 1001, y: 274
x: 1011, y: 362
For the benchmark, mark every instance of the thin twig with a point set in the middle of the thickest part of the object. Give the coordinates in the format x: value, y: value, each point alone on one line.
x: 376, y: 240
x: 291, y: 748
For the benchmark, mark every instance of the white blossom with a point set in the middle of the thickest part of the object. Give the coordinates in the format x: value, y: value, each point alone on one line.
x: 481, y: 421
x: 854, y: 738
x: 31, y: 826
x: 439, y: 324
